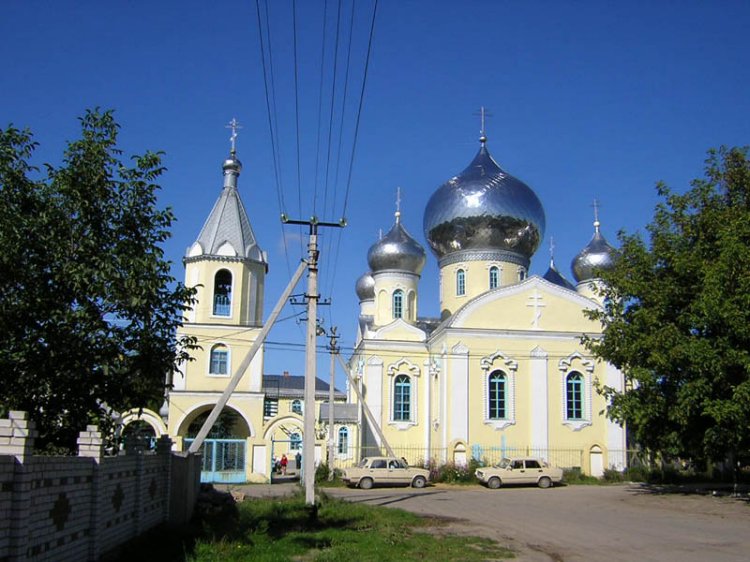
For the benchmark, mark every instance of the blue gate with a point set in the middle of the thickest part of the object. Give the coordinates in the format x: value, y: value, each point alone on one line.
x: 223, y: 460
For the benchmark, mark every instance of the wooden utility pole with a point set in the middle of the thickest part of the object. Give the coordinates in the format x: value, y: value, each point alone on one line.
x: 312, y: 296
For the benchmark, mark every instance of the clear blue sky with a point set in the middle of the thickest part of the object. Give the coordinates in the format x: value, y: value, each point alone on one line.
x: 588, y: 99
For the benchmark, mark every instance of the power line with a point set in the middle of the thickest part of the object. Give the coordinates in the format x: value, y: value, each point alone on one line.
x: 276, y: 167
x: 359, y: 109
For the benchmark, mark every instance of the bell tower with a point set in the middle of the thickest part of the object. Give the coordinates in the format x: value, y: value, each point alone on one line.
x: 227, y: 267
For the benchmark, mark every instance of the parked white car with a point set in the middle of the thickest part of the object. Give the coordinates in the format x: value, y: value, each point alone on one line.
x: 385, y: 471
x: 519, y: 471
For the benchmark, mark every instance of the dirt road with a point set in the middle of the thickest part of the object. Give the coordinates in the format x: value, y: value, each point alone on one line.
x: 584, y: 523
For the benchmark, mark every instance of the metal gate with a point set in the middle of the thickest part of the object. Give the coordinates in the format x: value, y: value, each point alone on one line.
x: 223, y: 460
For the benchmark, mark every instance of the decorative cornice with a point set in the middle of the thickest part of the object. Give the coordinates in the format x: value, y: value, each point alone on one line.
x: 484, y: 255
x: 227, y: 259
x: 487, y: 362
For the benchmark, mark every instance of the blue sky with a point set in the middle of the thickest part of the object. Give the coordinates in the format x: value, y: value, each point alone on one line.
x: 588, y: 100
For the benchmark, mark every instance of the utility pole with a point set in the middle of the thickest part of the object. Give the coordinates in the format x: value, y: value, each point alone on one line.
x: 334, y: 349
x: 312, y: 296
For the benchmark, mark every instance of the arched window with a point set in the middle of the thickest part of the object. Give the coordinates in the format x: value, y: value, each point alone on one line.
x: 574, y: 396
x: 402, y: 398
x: 460, y: 282
x: 297, y: 407
x: 219, y: 364
x: 295, y: 442
x: 222, y: 293
x: 521, y: 274
x: 494, y: 277
x: 398, y: 303
x: 343, y: 441
x: 497, y: 395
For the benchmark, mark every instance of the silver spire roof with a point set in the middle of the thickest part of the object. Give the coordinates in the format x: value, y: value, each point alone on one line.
x: 227, y: 231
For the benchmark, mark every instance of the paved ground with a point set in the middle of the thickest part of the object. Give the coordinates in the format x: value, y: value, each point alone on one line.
x: 577, y: 523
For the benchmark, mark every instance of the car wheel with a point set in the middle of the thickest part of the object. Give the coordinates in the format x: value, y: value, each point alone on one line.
x: 365, y: 483
x: 494, y: 483
x: 418, y: 482
x: 544, y: 482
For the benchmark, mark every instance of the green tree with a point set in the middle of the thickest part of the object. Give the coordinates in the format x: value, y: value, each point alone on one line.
x: 88, y: 308
x: 677, y: 318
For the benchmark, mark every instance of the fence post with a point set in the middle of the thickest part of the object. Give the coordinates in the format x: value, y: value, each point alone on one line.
x: 17, y: 435
x: 91, y: 445
x: 164, y: 451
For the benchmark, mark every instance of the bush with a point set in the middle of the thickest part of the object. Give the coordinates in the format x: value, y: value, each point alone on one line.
x: 322, y: 472
x: 575, y: 476
x: 613, y: 475
x: 452, y: 473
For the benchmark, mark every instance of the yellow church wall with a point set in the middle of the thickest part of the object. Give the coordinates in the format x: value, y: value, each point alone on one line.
x: 476, y: 281
x: 386, y: 283
x: 529, y: 308
x: 248, y: 279
x: 197, y: 375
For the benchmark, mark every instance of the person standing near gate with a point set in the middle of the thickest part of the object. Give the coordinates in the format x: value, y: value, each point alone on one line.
x: 284, y: 462
x: 298, y: 462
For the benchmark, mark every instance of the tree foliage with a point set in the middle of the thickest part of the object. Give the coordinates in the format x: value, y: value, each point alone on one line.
x: 88, y: 308
x: 677, y: 318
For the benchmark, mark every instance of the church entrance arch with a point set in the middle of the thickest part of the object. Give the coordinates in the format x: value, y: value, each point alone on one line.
x: 285, y: 435
x: 459, y: 454
x: 224, y: 450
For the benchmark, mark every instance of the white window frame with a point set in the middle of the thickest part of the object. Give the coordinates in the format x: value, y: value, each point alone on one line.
x: 229, y: 360
x: 576, y: 362
x: 498, y: 361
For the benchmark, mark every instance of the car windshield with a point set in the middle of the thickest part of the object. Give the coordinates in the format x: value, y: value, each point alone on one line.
x: 362, y: 463
x: 503, y: 463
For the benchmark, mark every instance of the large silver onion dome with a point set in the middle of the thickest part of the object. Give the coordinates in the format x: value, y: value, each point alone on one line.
x: 365, y: 287
x: 598, y: 254
x: 484, y: 208
x: 397, y: 250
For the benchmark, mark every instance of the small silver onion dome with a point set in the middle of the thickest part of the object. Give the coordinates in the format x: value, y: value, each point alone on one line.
x: 365, y: 287
x: 598, y: 254
x: 397, y: 250
x: 232, y: 164
x: 484, y: 208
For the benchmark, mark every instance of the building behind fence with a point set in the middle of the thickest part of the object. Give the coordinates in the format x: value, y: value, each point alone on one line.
x: 487, y: 455
x: 77, y: 508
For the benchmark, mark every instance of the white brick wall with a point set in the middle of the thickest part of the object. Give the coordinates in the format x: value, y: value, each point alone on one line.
x: 77, y: 508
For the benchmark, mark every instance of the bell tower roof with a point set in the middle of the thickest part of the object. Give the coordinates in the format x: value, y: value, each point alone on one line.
x: 227, y: 231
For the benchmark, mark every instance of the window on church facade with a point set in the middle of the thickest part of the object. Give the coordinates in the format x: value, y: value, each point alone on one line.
x: 295, y: 442
x: 343, y: 441
x: 497, y: 395
x: 574, y: 396
x: 398, y: 303
x: 521, y: 274
x: 494, y: 277
x: 219, y: 364
x: 402, y: 398
x: 297, y: 407
x: 222, y: 293
x: 460, y: 282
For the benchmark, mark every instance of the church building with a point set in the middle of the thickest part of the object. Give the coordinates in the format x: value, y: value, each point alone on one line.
x: 502, y: 371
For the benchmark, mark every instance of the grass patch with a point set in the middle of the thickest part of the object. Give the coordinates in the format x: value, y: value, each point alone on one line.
x: 277, y: 529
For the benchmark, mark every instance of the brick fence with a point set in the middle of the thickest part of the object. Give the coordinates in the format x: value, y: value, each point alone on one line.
x: 77, y: 508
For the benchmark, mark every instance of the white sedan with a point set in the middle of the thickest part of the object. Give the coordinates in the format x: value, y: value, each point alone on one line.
x: 519, y: 471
